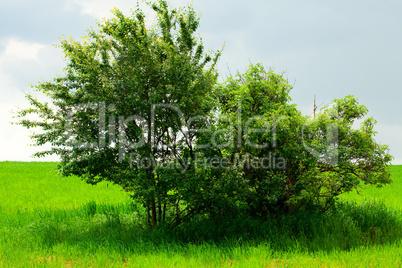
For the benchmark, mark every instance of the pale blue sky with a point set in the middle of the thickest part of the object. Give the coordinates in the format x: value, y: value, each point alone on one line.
x: 327, y: 48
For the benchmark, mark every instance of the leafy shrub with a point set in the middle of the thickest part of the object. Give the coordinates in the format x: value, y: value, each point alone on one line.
x: 141, y: 107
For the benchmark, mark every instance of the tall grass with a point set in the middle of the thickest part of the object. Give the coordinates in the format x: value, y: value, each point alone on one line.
x: 48, y: 221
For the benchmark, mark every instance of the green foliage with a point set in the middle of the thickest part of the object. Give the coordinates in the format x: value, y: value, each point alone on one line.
x: 124, y: 105
x: 140, y: 107
x: 311, y: 160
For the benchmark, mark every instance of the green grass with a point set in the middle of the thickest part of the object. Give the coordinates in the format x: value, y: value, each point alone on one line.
x: 27, y: 186
x: 390, y: 195
x: 48, y: 221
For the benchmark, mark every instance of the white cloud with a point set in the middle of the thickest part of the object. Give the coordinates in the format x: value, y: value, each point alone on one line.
x: 17, y: 49
x: 15, y: 61
x: 14, y: 140
x: 101, y: 8
x: 97, y: 9
x: 21, y: 62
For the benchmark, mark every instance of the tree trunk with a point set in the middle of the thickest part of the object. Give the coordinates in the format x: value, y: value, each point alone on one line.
x: 154, y: 221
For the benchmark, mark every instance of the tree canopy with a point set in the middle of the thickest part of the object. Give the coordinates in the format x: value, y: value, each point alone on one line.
x: 141, y: 107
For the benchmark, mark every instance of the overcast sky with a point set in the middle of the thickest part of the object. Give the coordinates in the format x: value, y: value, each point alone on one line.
x: 328, y: 48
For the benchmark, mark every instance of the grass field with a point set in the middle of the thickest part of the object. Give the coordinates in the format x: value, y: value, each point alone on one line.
x: 48, y: 221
